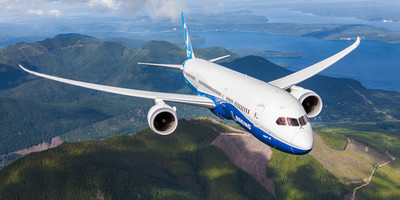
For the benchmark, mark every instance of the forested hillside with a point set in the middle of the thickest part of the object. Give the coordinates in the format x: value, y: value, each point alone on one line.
x: 148, y: 166
x: 142, y: 166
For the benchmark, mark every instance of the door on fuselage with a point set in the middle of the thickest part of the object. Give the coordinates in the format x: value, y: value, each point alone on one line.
x: 258, y: 113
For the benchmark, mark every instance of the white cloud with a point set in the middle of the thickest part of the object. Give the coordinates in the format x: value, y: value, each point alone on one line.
x: 34, y: 12
x: 211, y: 6
x: 165, y: 8
x: 41, y: 12
x: 55, y: 13
x: 155, y: 8
x: 113, y: 4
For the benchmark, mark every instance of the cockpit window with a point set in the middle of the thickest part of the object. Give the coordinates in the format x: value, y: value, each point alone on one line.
x: 292, y: 122
x: 303, y: 120
x: 281, y: 121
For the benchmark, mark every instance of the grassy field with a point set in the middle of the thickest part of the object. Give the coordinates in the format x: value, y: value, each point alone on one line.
x: 333, y: 139
x: 366, y: 151
x: 302, y: 177
x: 380, y: 141
x: 384, y: 185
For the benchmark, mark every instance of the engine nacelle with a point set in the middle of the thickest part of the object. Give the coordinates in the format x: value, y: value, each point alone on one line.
x: 310, y: 100
x: 162, y: 118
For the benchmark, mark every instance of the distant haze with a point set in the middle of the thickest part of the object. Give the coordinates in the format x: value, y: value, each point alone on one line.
x: 18, y: 9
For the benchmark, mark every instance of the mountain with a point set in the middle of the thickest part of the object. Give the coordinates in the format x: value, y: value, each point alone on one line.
x: 149, y: 166
x: 142, y: 166
x: 187, y: 165
x: 34, y: 110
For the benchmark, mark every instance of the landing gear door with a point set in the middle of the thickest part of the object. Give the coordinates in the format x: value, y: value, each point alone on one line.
x: 257, y: 114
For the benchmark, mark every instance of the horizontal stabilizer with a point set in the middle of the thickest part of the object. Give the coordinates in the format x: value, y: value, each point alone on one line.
x: 219, y: 58
x: 180, y: 67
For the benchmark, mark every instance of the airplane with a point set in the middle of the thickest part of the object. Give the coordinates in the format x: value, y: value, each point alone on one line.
x: 277, y: 113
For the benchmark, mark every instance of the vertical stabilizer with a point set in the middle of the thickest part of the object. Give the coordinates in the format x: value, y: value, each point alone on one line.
x: 189, y: 49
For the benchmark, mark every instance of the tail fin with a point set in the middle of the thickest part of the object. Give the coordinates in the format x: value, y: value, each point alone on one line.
x: 189, y: 49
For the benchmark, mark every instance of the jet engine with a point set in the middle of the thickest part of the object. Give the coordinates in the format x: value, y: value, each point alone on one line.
x: 310, y: 100
x: 162, y: 118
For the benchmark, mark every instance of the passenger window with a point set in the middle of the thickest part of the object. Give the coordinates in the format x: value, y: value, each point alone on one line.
x: 281, y: 121
x: 292, y: 122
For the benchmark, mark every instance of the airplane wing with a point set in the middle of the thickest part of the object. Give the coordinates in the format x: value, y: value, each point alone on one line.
x: 217, y: 59
x: 180, y: 67
x: 171, y: 97
x: 304, y: 74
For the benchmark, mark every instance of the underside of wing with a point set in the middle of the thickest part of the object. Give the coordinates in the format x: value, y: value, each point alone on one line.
x: 304, y: 74
x: 218, y: 59
x: 171, y: 97
x: 180, y: 67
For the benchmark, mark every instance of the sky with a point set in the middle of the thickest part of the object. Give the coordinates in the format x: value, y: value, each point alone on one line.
x: 156, y: 9
x: 19, y: 9
x: 39, y: 19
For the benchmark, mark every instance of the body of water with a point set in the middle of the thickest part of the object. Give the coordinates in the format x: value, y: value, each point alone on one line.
x: 284, y: 15
x: 375, y: 64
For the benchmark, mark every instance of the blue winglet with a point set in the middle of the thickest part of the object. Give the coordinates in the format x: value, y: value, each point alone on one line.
x: 189, y: 49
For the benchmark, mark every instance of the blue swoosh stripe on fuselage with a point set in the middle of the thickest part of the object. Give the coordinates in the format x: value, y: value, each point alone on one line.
x: 257, y: 132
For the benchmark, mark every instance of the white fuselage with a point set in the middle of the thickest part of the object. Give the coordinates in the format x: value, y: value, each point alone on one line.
x: 260, y: 104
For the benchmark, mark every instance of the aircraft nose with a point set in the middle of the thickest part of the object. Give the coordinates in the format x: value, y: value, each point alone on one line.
x: 302, y: 142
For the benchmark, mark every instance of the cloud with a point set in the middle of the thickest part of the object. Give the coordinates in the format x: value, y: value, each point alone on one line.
x: 34, y: 12
x: 155, y: 8
x: 55, y: 13
x: 211, y: 6
x: 112, y: 4
x: 165, y: 8
x: 41, y: 12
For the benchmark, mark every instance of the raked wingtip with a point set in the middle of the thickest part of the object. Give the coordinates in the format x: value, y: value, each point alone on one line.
x: 26, y: 70
x: 20, y: 66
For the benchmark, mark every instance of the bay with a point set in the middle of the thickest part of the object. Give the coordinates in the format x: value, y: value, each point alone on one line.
x: 375, y: 64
